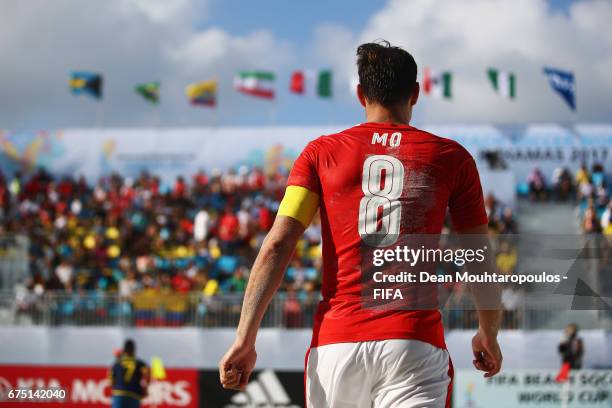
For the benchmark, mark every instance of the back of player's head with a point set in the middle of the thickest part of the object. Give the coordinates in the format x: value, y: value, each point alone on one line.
x: 129, y: 347
x: 387, y: 75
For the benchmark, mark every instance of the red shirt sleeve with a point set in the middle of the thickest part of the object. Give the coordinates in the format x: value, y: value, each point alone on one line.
x: 466, y: 202
x: 304, y: 172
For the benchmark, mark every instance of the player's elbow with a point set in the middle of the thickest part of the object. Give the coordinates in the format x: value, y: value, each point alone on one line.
x: 278, y: 245
x: 283, y: 236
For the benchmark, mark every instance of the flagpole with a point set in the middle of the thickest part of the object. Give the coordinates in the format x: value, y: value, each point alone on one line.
x: 216, y: 118
x: 156, y: 116
x: 273, y: 112
x: 100, y: 114
x: 215, y: 122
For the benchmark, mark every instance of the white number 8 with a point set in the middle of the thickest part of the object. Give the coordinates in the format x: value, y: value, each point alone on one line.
x: 382, y: 184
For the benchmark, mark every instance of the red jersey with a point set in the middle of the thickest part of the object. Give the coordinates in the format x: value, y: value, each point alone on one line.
x: 424, y: 174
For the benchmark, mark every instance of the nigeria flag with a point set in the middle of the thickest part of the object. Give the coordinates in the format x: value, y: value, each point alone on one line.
x: 503, y: 82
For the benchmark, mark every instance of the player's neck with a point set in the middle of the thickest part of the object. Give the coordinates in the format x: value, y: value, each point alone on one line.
x: 382, y: 114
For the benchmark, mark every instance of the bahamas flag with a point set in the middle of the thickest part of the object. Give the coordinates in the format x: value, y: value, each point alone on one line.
x: 149, y: 91
x: 89, y: 83
x: 202, y: 93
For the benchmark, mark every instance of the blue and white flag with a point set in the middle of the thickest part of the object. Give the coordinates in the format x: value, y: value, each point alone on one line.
x: 563, y: 83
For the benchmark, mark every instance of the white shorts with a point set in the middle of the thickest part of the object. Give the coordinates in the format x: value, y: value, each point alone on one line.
x: 379, y: 374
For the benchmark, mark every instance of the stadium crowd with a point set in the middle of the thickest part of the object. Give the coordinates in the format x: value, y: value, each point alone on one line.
x: 139, y: 240
x: 176, y: 248
x: 588, y: 188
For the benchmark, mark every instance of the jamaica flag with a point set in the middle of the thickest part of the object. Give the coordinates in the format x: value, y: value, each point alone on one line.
x: 149, y: 91
x: 89, y: 83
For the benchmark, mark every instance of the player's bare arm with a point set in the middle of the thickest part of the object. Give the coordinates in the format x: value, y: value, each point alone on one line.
x: 487, y: 353
x: 237, y: 364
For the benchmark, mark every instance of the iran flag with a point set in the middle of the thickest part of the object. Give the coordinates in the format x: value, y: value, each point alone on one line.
x: 503, y: 82
x: 437, y: 83
x: 255, y: 83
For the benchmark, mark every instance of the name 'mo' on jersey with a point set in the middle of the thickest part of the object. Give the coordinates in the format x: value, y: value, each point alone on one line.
x: 352, y: 174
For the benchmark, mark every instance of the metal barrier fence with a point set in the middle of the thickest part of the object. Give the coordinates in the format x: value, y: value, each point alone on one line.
x: 153, y: 309
x: 13, y: 260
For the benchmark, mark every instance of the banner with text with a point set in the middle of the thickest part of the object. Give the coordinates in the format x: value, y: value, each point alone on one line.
x: 74, y: 386
x: 532, y: 388
x: 169, y: 152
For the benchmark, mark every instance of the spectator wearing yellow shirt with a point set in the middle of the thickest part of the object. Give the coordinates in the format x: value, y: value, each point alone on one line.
x: 506, y: 259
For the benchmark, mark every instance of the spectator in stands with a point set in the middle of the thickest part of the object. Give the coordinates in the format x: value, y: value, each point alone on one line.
x: 228, y: 228
x: 145, y: 241
x: 15, y: 185
x: 4, y: 198
x: 606, y: 219
x: 598, y: 176
x: 586, y: 190
x: 601, y: 196
x: 491, y: 206
x: 237, y: 283
x: 513, y: 299
x: 181, y: 282
x: 128, y: 285
x: 507, y: 224
x: 507, y: 258
x: 562, y: 183
x: 590, y: 223
x: 537, y: 185
x: 64, y: 272
x: 292, y: 310
x: 180, y: 188
x: 571, y: 347
x: 582, y: 174
x: 201, y: 225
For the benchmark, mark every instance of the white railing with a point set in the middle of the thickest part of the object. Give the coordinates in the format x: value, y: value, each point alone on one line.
x: 195, y: 309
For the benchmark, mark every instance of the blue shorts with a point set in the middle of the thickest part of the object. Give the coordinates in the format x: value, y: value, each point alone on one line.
x: 120, y: 401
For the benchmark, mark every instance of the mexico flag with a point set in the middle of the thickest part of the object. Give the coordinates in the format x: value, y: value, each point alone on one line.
x: 437, y: 84
x: 312, y: 83
x: 255, y: 83
x: 503, y: 82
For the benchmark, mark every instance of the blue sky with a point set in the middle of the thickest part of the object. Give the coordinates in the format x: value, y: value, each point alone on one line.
x: 182, y: 41
x: 294, y: 20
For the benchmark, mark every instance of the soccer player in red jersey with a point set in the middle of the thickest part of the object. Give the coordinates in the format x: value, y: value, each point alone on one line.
x: 359, y: 357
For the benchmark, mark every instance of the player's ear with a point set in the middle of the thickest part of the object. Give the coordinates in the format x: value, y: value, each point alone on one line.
x: 360, y: 96
x: 415, y: 94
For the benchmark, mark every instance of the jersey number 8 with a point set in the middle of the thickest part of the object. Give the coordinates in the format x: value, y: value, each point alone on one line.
x: 380, y: 210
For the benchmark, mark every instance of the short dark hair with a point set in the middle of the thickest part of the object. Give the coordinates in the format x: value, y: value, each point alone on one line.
x: 129, y: 347
x: 387, y: 74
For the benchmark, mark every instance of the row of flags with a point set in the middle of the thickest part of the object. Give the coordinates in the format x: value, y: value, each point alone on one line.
x: 260, y: 84
x: 255, y: 83
x: 440, y: 83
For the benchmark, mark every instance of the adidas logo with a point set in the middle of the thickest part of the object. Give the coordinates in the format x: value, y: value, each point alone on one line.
x: 264, y: 392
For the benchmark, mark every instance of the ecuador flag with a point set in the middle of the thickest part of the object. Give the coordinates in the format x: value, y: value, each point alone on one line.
x: 86, y: 82
x: 202, y: 93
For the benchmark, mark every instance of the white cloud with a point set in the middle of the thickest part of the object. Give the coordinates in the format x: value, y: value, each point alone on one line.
x: 130, y: 41
x: 141, y: 40
x: 216, y: 47
x: 520, y: 35
x: 159, y: 10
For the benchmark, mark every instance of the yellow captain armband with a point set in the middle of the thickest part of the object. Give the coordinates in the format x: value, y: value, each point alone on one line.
x: 299, y: 203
